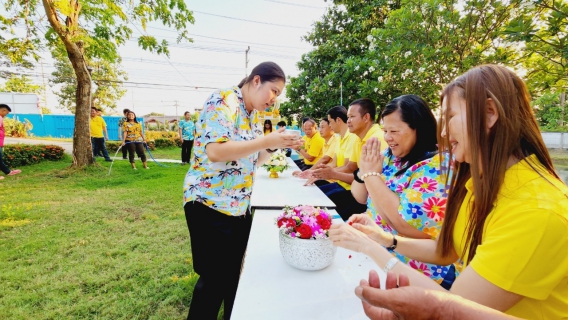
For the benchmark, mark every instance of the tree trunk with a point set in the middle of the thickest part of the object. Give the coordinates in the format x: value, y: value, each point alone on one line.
x: 82, y: 150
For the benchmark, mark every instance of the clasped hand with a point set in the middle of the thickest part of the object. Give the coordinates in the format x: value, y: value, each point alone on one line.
x: 281, y: 140
x: 371, y: 159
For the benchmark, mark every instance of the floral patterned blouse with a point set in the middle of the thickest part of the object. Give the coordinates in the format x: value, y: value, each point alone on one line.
x: 423, y: 193
x: 187, y: 128
x: 133, y: 131
x: 223, y: 186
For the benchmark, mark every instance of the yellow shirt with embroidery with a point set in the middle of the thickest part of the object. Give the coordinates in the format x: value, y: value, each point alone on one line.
x: 524, y: 246
x: 343, y: 152
x: 97, y: 124
x: 376, y: 132
x: 314, y: 147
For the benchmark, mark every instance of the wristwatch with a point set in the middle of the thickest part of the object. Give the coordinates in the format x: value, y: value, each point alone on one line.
x: 271, y: 150
x: 356, y: 176
x: 391, y: 248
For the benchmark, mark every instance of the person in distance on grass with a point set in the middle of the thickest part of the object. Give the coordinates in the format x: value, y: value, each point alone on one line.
x: 98, y: 127
x: 135, y: 138
x: 120, y: 132
x: 229, y: 143
x: 4, y: 110
x: 186, y: 135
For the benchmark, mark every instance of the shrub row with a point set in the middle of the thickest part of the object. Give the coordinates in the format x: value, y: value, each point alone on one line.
x: 16, y: 155
x: 112, y: 146
x: 153, y: 135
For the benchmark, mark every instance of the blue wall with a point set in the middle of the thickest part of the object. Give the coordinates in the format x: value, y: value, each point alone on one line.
x: 61, y: 126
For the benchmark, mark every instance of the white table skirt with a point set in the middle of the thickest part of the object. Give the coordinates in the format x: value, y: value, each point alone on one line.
x: 269, y: 288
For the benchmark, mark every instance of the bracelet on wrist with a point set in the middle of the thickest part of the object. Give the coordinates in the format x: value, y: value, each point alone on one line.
x: 356, y: 176
x: 369, y: 174
x: 271, y: 150
x: 394, y: 243
x: 390, y: 264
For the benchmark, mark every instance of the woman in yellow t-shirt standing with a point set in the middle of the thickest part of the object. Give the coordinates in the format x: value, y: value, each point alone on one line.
x: 134, y: 140
x: 267, y: 127
x: 507, y: 210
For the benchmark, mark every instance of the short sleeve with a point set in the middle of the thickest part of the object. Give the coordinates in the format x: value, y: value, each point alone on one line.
x: 217, y: 122
x: 316, y: 146
x: 355, y: 152
x: 103, y: 122
x: 524, y: 250
x: 331, y: 151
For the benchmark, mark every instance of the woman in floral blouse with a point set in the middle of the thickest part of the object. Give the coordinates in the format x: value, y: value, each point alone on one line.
x: 134, y: 139
x: 229, y: 144
x: 415, y: 205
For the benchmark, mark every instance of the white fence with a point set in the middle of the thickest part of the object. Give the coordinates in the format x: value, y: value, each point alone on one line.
x: 555, y: 140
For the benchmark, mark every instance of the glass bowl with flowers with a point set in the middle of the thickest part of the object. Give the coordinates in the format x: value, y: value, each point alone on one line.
x: 304, y: 237
x: 276, y: 164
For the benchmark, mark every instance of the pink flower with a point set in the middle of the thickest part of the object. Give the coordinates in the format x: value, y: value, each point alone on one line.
x: 425, y: 184
x: 420, y: 266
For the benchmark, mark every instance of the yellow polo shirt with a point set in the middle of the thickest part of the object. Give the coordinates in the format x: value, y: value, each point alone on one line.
x: 524, y: 246
x: 314, y: 147
x: 97, y: 124
x: 376, y: 132
x: 344, y: 151
x: 330, y: 146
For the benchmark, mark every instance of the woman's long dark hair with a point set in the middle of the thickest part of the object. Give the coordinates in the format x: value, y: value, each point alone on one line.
x: 265, y: 123
x: 415, y: 113
x: 267, y: 71
x: 129, y: 112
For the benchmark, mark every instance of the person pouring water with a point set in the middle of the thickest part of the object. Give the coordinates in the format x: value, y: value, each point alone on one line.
x: 229, y: 144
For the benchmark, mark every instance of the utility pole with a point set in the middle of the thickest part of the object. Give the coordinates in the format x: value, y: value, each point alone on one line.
x: 246, y: 61
x: 341, y: 98
x: 176, y: 104
x: 44, y: 86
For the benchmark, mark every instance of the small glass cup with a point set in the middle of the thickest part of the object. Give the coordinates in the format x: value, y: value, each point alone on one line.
x: 297, y: 133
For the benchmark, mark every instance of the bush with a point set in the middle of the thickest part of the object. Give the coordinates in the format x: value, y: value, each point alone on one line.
x: 17, y: 129
x: 153, y: 135
x: 16, y: 155
x: 167, y: 142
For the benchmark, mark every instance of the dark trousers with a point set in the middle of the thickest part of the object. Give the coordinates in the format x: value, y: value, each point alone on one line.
x: 345, y: 203
x: 302, y: 165
x: 186, y: 150
x: 99, y: 146
x: 138, y: 148
x: 124, y: 152
x: 218, y: 244
x: 3, y: 167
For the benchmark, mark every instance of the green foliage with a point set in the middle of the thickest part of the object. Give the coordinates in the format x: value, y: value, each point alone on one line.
x: 21, y: 84
x: 16, y: 155
x: 549, y: 114
x: 16, y: 128
x: 167, y: 142
x: 152, y: 135
x: 107, y: 76
x: 112, y: 146
x: 382, y: 49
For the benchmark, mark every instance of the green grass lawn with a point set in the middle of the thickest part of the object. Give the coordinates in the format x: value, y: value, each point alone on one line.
x: 167, y: 153
x: 560, y: 158
x: 85, y: 245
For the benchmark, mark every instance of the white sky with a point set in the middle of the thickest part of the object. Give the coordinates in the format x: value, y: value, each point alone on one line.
x: 210, y: 61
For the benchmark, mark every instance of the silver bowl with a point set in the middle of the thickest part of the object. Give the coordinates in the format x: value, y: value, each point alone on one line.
x: 307, y: 254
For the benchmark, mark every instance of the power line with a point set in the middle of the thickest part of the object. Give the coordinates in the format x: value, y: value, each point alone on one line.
x: 296, y: 4
x: 252, y: 21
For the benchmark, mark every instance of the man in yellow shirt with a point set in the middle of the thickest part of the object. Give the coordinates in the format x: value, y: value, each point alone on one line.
x: 329, y: 149
x: 361, y: 123
x: 313, y: 146
x: 98, y: 126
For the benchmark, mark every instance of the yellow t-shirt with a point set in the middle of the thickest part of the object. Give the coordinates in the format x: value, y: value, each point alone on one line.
x: 524, y: 246
x: 344, y: 151
x: 376, y: 132
x: 330, y: 146
x: 97, y: 124
x: 314, y: 147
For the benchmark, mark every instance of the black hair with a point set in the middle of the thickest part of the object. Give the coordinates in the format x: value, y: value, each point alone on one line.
x: 338, y: 112
x: 281, y: 123
x: 125, y: 111
x: 326, y: 120
x: 5, y: 106
x: 312, y: 121
x: 267, y: 71
x: 304, y: 119
x: 417, y: 115
x: 130, y: 111
x: 265, y: 123
x: 186, y: 113
x: 367, y: 106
